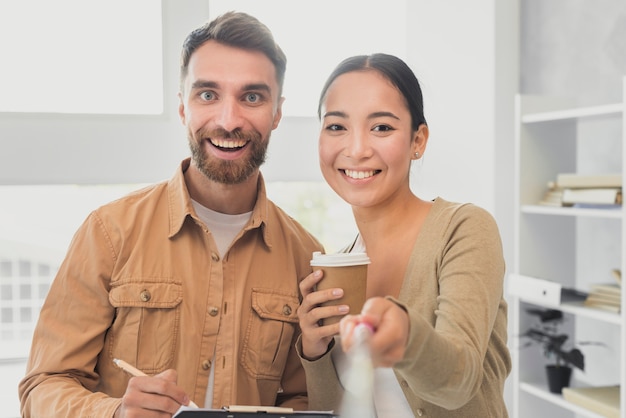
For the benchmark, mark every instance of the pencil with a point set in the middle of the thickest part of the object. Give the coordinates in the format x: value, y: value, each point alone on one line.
x: 136, y: 372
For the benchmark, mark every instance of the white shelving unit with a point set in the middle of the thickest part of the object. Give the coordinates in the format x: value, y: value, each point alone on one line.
x: 572, y: 246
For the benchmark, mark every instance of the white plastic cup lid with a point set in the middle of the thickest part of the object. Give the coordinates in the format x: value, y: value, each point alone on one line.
x: 339, y: 259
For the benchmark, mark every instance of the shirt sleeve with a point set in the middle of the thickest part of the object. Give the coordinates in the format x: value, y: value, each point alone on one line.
x: 445, y: 360
x: 323, y: 385
x: 61, y: 376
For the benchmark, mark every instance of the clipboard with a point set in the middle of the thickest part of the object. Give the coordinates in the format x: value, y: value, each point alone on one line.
x: 218, y: 413
x: 240, y: 411
x: 223, y: 413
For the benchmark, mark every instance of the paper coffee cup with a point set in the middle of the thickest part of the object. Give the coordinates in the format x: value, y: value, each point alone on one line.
x: 347, y: 271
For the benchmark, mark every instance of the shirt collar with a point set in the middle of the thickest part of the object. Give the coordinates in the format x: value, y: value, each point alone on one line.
x: 180, y: 206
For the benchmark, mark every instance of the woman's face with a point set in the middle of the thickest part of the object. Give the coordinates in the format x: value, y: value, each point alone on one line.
x: 366, y: 143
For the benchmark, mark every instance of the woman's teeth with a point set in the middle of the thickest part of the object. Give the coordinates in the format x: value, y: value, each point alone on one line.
x: 359, y: 174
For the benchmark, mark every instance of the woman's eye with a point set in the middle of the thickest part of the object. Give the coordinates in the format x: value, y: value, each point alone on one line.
x: 334, y: 127
x: 382, y: 128
x: 207, y: 95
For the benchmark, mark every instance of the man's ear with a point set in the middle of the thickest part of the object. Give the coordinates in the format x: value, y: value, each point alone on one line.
x: 181, y: 108
x: 279, y: 113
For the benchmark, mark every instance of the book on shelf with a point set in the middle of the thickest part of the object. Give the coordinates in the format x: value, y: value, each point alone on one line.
x: 576, y: 181
x: 603, y: 400
x: 604, y: 303
x: 596, y: 196
x: 609, y: 289
x: 603, y: 206
x: 610, y: 307
x: 606, y: 296
x: 598, y: 191
x: 553, y: 196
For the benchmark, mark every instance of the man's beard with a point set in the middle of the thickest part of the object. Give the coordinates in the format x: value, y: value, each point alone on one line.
x: 227, y: 171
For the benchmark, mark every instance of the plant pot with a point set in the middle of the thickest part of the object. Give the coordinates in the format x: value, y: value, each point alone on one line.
x: 558, y: 377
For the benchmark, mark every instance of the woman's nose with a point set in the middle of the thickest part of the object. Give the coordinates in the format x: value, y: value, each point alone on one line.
x: 358, y: 146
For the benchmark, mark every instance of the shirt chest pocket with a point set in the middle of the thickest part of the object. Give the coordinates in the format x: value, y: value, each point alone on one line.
x: 269, y: 333
x: 146, y: 323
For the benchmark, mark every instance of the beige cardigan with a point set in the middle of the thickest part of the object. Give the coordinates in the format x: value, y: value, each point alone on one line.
x: 457, y: 359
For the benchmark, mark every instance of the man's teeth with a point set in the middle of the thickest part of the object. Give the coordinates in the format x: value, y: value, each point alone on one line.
x: 359, y: 174
x: 228, y: 144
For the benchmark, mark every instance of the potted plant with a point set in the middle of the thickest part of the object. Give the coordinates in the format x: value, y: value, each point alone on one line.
x: 546, y: 334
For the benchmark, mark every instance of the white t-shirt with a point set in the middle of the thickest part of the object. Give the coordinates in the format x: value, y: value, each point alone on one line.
x: 389, y: 400
x: 224, y: 229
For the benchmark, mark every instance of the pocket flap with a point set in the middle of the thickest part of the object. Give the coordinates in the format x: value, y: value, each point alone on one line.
x: 146, y: 295
x: 277, y: 306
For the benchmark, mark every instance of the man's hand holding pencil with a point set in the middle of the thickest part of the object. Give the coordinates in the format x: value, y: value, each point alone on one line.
x: 151, y: 396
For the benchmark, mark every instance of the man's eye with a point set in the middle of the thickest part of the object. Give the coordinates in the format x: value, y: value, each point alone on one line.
x: 252, y: 97
x: 207, y: 95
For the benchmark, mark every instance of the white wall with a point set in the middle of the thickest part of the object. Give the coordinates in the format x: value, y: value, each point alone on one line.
x: 84, y: 149
x: 451, y: 48
x: 455, y: 47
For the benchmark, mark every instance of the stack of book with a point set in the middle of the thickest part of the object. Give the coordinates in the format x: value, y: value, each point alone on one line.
x: 582, y: 190
x: 606, y: 296
x: 603, y: 400
x: 553, y: 195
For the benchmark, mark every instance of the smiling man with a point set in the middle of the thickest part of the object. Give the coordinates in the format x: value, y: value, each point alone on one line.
x: 193, y: 281
x: 230, y: 104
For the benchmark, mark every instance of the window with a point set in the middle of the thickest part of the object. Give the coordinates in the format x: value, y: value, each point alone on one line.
x: 5, y: 268
x: 76, y: 56
x: 36, y: 226
x: 316, y: 206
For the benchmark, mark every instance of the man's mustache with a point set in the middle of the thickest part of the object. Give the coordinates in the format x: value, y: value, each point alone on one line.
x: 224, y: 134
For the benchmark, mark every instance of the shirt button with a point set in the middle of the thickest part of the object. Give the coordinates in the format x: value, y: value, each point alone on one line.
x: 206, y: 364
x: 420, y: 412
x: 213, y: 311
x: 404, y: 384
x: 144, y: 296
x: 286, y: 310
x: 215, y: 257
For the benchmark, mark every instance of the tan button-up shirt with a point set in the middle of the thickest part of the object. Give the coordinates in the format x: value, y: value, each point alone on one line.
x: 143, y: 281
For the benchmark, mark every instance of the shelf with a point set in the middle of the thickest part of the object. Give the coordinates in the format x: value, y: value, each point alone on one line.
x: 612, y: 212
x: 578, y: 309
x: 574, y: 113
x: 541, y: 391
x: 565, y: 247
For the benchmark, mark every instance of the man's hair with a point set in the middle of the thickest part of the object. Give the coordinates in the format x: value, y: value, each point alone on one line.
x: 239, y: 30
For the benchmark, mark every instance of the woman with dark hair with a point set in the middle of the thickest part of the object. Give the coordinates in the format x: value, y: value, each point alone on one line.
x: 435, y: 282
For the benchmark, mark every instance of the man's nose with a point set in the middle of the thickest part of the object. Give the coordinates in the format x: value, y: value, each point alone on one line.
x: 229, y: 115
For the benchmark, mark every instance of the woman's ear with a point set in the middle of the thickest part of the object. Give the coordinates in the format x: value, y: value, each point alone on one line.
x: 420, y: 139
